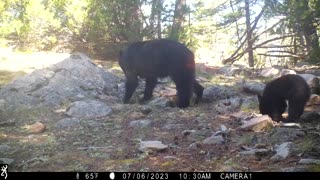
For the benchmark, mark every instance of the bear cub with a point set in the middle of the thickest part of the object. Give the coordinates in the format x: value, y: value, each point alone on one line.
x: 157, y: 59
x: 291, y: 88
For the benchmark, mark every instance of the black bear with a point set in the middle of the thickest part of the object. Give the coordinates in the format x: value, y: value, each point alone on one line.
x: 292, y: 88
x: 157, y: 59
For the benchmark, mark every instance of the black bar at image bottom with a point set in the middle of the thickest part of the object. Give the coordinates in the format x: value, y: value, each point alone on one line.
x: 158, y: 175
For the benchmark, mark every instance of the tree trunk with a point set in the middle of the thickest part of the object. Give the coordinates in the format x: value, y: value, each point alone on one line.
x: 134, y: 22
x: 310, y: 34
x: 159, y: 11
x: 249, y: 34
x: 155, y: 18
x: 159, y: 32
x: 178, y: 19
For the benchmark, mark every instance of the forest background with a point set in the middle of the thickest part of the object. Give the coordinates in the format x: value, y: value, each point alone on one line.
x: 255, y: 33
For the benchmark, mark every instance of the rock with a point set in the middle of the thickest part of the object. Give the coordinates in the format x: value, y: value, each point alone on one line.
x: 37, y: 127
x: 95, y: 124
x: 250, y: 103
x: 206, y: 68
x: 188, y: 132
x: 169, y: 157
x: 4, y: 123
x: 202, y: 79
x: 4, y: 148
x: 224, y: 131
x: 116, y: 108
x: 258, y: 152
x: 228, y: 105
x: 314, y: 100
x: 240, y: 115
x: 76, y: 78
x: 296, y: 169
x: 140, y: 123
x: 160, y: 102
x: 173, y: 126
x: 269, y: 72
x: 281, y: 135
x: 287, y: 71
x: 229, y: 71
x: 312, y: 81
x: 223, y: 128
x: 146, y: 109
x: 192, y: 147
x: 315, y: 72
x: 290, y: 124
x: 309, y: 161
x: 193, y: 135
x: 282, y: 151
x: 302, y: 63
x: 166, y: 91
x: 214, y: 93
x: 88, y: 109
x: 254, y: 87
x: 67, y: 123
x: 6, y: 161
x: 214, y: 140
x: 258, y: 124
x: 137, y: 115
x: 310, y: 116
x: 152, y: 146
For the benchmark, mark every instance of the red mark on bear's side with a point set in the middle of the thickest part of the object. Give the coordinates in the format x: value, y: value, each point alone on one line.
x: 190, y: 66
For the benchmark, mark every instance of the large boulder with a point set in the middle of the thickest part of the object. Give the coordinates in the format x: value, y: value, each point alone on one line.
x: 313, y: 82
x: 270, y: 72
x: 74, y: 79
x: 214, y: 93
x: 254, y: 87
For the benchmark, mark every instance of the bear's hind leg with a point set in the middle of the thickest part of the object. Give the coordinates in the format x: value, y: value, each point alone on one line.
x: 150, y: 85
x: 184, y: 90
x: 198, y: 90
x: 131, y: 85
x: 296, y: 109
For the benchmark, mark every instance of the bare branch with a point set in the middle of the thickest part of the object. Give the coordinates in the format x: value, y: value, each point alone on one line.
x: 235, y: 57
x: 232, y: 59
x: 274, y: 55
x: 277, y: 46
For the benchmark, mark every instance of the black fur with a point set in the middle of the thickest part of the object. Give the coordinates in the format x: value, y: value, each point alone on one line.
x: 157, y: 59
x: 292, y: 88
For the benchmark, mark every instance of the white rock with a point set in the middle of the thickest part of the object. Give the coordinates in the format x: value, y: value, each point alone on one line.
x: 214, y: 140
x: 309, y: 161
x: 270, y: 72
x: 152, y: 146
x: 258, y: 124
x: 283, y: 151
x: 140, y: 123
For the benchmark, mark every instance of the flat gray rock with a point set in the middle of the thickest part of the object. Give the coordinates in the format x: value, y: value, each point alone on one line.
x: 140, y: 123
x: 4, y: 148
x: 88, y: 109
x: 254, y: 87
x: 214, y: 140
x: 214, y: 93
x: 258, y: 124
x: 282, y: 151
x: 67, y: 123
x: 152, y: 146
x: 309, y: 161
